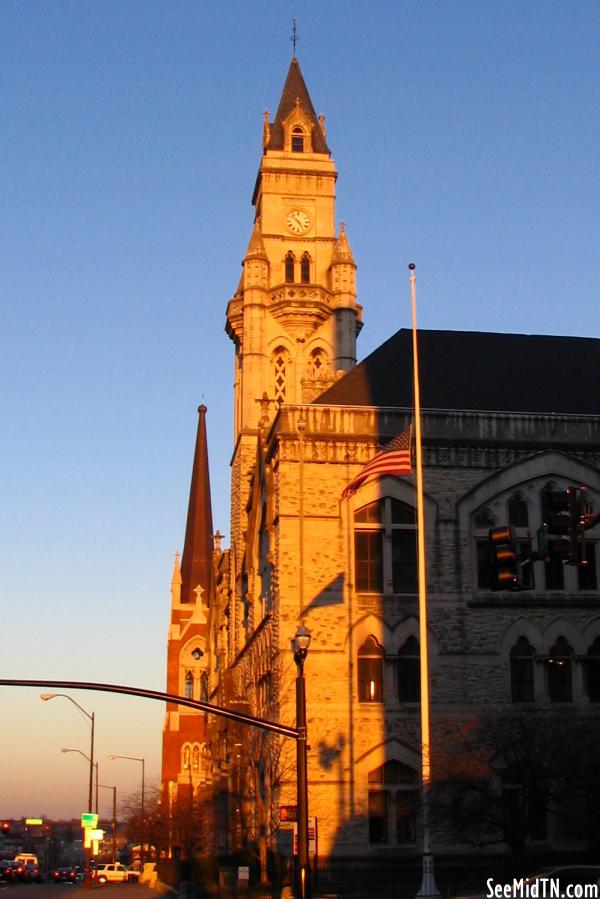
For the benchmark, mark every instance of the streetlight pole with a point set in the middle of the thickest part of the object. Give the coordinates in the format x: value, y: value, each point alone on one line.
x: 114, y: 820
x: 95, y: 764
x: 133, y: 758
x: 87, y: 881
x: 300, y: 644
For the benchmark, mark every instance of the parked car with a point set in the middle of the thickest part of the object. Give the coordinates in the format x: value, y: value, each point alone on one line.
x: 115, y: 872
x: 64, y: 875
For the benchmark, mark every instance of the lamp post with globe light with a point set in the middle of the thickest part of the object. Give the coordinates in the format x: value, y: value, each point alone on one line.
x: 300, y: 644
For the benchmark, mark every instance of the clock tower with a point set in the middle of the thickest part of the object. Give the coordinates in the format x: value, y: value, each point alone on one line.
x: 294, y: 317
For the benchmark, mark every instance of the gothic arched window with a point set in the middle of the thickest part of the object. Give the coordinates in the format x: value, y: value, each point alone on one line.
x: 189, y: 685
x: 196, y: 758
x: 393, y: 804
x: 385, y: 547
x: 305, y: 269
x: 521, y: 671
x: 186, y: 758
x: 280, y: 364
x: 370, y: 671
x: 290, y: 265
x: 318, y: 364
x: 518, y: 512
x: 559, y: 665
x: 297, y: 140
x: 409, y: 671
x: 592, y: 671
x: 204, y: 687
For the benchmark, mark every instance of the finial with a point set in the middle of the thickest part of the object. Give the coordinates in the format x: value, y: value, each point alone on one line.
x: 266, y: 128
x: 294, y: 38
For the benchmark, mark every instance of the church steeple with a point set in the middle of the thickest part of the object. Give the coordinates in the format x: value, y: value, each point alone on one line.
x: 197, y: 557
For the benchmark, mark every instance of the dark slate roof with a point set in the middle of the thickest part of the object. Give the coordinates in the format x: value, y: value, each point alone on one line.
x: 295, y: 87
x: 468, y: 370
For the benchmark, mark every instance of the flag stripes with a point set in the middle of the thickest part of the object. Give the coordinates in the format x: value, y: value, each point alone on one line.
x: 393, y: 459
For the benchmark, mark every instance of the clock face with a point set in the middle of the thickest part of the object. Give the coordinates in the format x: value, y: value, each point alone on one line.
x: 298, y: 221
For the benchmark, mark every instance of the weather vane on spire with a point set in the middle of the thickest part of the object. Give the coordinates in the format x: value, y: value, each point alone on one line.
x: 294, y: 38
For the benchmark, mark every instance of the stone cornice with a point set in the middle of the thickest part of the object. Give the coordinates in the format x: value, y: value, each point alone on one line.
x: 352, y: 434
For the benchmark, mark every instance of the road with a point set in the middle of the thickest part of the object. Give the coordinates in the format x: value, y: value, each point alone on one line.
x: 51, y: 890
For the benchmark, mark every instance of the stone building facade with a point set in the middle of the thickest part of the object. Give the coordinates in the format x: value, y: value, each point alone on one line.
x: 506, y: 419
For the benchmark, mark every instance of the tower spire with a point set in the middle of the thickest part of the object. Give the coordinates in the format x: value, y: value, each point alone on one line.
x: 197, y: 557
x: 295, y: 96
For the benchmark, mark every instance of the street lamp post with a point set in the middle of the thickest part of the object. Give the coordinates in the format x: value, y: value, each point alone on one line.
x: 133, y: 758
x: 300, y: 644
x: 87, y: 882
x: 95, y: 764
x: 114, y: 820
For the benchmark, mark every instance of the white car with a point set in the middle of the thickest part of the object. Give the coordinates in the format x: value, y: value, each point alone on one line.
x: 116, y: 873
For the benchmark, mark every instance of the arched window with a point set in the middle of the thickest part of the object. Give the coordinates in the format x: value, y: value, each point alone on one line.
x: 370, y: 671
x: 204, y: 687
x: 592, y: 671
x: 189, y: 685
x: 196, y: 758
x: 368, y: 549
x: 554, y: 568
x: 290, y: 265
x: 540, y: 509
x: 186, y: 758
x: 404, y: 548
x: 393, y: 804
x: 280, y: 364
x: 518, y: 513
x: 385, y: 547
x: 409, y: 672
x: 318, y: 363
x: 559, y: 665
x: 305, y: 269
x: 521, y: 671
x: 297, y: 140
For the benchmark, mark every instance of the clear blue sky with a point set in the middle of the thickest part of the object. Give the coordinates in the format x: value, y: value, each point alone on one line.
x: 466, y: 136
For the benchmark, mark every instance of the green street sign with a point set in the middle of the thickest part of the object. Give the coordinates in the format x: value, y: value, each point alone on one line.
x: 88, y: 819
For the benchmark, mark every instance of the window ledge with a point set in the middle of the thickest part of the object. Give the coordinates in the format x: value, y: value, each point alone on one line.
x: 547, y: 600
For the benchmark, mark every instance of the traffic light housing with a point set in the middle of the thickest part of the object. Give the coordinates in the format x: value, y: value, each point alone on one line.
x: 504, y: 562
x: 6, y: 828
x: 563, y: 513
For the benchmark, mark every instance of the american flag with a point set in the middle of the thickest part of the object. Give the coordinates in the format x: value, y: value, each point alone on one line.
x: 393, y: 459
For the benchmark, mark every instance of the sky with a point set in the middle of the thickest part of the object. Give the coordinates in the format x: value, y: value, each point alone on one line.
x: 466, y: 138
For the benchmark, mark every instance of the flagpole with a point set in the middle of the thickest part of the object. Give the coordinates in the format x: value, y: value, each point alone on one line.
x: 428, y: 887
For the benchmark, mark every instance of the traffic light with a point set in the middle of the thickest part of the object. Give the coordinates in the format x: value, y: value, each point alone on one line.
x: 563, y: 513
x: 504, y: 563
x: 6, y: 828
